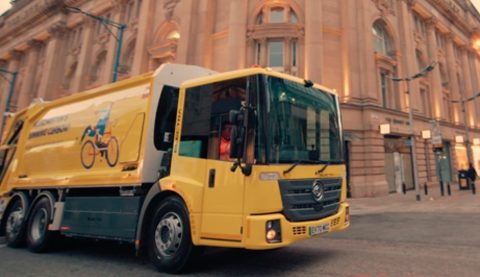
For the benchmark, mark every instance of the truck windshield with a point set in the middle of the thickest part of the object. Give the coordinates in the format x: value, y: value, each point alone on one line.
x: 297, y: 124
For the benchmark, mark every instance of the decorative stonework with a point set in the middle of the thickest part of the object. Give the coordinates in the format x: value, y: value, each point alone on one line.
x: 386, y: 7
x: 169, y: 7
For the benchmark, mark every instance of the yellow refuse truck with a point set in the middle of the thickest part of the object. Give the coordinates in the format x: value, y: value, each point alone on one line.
x: 175, y: 160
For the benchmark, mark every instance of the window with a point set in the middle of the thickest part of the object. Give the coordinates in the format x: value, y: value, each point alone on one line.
x: 420, y: 25
x: 447, y: 106
x: 276, y: 15
x: 259, y: 19
x: 382, y: 41
x: 443, y: 75
x: 275, y: 54
x: 205, y: 127
x: 420, y: 60
x: 278, y: 49
x: 440, y: 40
x: 165, y: 118
x: 98, y: 67
x: 294, y: 53
x: 258, y: 49
x: 384, y: 88
x: 129, y: 11
x: 293, y: 17
x: 424, y: 97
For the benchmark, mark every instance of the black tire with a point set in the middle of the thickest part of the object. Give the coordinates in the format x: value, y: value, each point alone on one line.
x: 39, y: 238
x: 15, y: 224
x: 87, y: 154
x: 112, y: 154
x: 170, y: 229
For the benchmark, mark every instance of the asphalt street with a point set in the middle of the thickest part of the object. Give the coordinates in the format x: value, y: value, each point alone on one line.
x: 389, y: 236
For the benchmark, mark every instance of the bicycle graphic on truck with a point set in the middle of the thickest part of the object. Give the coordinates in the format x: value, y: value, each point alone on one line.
x: 96, y: 140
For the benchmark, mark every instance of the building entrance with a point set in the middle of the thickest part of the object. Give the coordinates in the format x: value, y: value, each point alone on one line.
x: 398, y: 163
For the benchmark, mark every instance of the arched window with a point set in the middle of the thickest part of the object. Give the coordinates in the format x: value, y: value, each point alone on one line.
x: 127, y: 60
x: 386, y: 66
x: 382, y: 41
x: 164, y: 46
x: 98, y: 67
x: 274, y: 47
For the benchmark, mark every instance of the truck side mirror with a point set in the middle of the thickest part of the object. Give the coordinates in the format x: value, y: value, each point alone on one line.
x: 237, y: 136
x: 237, y: 142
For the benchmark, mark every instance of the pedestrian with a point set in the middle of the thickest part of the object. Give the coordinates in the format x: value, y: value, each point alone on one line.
x: 472, y: 175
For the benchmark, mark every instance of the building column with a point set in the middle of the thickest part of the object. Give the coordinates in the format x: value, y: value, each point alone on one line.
x: 27, y: 91
x: 452, y: 76
x: 53, y: 69
x: 140, y: 59
x: 467, y: 88
x: 112, y: 45
x: 237, y: 34
x: 13, y: 66
x: 84, y: 59
x: 409, y: 57
x: 263, y: 52
x: 436, y: 79
x: 475, y: 63
x: 313, y: 40
x: 186, y: 42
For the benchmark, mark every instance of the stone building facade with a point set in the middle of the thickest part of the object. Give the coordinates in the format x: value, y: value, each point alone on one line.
x: 353, y: 46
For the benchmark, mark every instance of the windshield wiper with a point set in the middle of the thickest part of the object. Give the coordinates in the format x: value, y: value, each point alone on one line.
x: 326, y: 164
x: 297, y: 163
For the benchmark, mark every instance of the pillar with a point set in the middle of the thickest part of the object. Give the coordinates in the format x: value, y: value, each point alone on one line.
x: 27, y: 91
x: 435, y: 75
x: 53, y: 67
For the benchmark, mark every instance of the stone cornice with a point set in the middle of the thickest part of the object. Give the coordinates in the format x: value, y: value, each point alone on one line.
x: 26, y: 13
x: 455, y: 12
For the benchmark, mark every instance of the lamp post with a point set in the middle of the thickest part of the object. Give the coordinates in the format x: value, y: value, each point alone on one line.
x: 465, y: 123
x: 107, y: 22
x: 12, y: 81
x: 410, y: 121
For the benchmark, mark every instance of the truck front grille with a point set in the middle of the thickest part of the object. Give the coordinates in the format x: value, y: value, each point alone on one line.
x: 299, y: 203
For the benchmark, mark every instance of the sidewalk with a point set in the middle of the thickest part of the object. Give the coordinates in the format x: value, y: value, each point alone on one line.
x: 461, y: 201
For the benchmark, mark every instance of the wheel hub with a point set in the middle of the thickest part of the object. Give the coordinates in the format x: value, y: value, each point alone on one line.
x: 14, y: 222
x: 168, y: 234
x: 39, y: 224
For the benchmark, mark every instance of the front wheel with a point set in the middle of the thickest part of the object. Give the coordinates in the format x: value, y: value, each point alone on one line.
x: 170, y: 243
x: 39, y: 238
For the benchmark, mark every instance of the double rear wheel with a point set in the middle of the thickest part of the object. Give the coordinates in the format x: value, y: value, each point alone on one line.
x: 39, y: 238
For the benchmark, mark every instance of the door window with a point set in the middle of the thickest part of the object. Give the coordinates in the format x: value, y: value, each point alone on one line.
x: 205, y: 128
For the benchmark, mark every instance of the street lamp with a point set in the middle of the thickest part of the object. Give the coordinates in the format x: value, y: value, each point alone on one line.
x: 410, y: 121
x: 465, y: 123
x: 107, y: 22
x: 12, y: 81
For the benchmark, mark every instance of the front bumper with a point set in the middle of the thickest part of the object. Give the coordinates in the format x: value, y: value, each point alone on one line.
x: 291, y: 231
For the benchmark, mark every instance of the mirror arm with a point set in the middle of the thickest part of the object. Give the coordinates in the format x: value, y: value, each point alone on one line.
x: 246, y: 170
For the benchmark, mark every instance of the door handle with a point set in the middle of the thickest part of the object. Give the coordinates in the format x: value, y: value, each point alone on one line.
x: 211, y: 178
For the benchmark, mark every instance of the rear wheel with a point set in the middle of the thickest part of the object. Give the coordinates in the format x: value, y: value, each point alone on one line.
x: 15, y: 225
x: 170, y: 244
x: 112, y: 152
x: 39, y: 238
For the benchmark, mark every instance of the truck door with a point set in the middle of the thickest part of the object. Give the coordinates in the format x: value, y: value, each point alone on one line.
x: 205, y: 134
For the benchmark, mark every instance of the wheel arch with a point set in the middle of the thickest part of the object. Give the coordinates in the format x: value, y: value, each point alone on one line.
x: 51, y: 198
x: 26, y: 202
